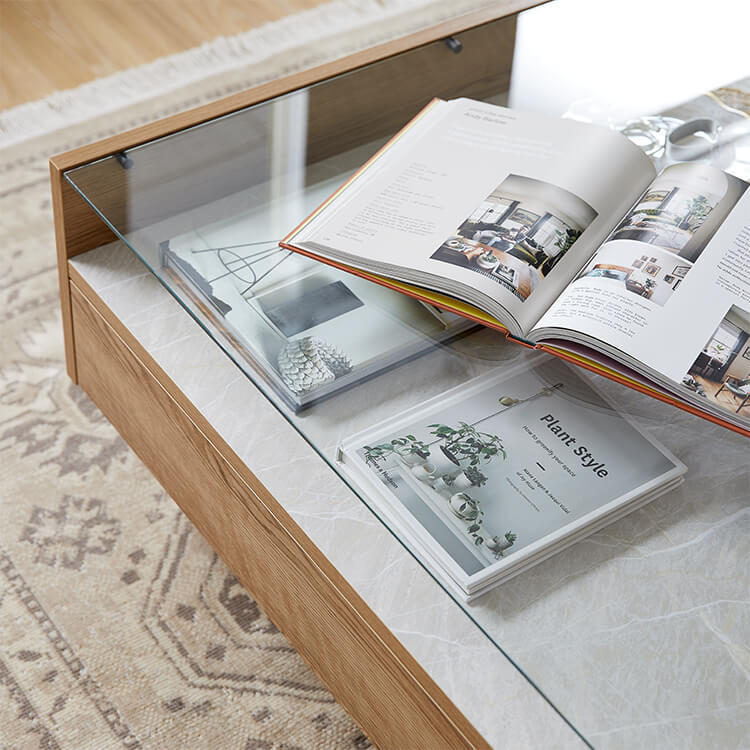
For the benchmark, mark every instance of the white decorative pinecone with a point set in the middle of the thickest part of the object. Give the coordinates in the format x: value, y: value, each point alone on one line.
x: 309, y: 363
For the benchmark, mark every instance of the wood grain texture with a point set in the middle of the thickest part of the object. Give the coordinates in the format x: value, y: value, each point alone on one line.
x: 49, y: 45
x: 63, y: 281
x: 358, y: 658
x: 77, y: 229
x: 378, y: 100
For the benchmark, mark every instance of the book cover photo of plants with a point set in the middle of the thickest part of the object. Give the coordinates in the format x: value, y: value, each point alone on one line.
x: 500, y: 473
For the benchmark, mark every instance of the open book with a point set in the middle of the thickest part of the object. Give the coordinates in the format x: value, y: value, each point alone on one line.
x: 561, y: 234
x: 494, y: 476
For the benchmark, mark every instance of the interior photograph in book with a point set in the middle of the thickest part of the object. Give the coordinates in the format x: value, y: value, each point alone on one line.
x: 721, y: 371
x: 663, y: 235
x: 654, y: 276
x: 518, y: 233
x: 682, y: 209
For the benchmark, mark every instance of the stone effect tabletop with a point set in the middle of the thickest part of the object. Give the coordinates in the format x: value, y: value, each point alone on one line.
x: 639, y: 635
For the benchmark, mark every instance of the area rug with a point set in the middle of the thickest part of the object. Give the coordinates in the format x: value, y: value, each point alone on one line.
x: 119, y: 627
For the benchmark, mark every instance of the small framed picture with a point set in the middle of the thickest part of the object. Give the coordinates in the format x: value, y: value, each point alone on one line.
x: 653, y: 260
x: 676, y: 284
x: 680, y: 271
x: 651, y: 269
x: 669, y: 279
x: 746, y: 353
x: 645, y: 257
x: 637, y: 264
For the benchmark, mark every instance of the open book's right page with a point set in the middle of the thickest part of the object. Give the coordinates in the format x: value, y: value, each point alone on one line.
x: 670, y: 288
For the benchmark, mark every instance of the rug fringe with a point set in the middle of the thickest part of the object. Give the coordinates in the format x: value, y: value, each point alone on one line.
x: 360, y: 23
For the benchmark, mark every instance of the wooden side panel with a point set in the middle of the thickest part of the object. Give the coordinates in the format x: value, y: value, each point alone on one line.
x: 361, y: 662
x: 77, y: 229
x: 377, y: 101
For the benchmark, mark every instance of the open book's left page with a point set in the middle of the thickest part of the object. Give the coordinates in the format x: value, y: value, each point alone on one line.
x: 495, y: 207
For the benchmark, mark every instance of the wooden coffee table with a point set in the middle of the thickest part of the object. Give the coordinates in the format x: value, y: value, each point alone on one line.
x: 583, y: 649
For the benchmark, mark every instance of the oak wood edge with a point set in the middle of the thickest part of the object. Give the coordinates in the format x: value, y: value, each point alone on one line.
x: 78, y: 228
x: 371, y: 625
x: 169, y: 125
x: 62, y: 271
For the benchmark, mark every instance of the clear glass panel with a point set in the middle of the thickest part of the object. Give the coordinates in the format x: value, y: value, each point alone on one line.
x: 603, y: 627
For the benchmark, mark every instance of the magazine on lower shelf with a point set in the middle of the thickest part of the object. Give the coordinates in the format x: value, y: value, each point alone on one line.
x: 563, y: 235
x: 297, y: 323
x: 496, y: 475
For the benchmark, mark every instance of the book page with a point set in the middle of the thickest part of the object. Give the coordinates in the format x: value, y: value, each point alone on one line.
x: 671, y: 286
x: 485, y: 199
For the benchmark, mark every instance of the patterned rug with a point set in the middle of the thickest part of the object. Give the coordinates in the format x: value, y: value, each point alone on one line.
x: 119, y: 626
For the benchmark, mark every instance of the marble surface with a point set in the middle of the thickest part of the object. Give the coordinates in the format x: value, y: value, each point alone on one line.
x: 639, y: 636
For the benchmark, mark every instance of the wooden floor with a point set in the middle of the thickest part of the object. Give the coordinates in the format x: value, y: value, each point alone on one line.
x: 46, y: 45
x: 724, y: 399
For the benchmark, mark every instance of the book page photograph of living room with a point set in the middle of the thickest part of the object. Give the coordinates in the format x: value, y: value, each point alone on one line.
x: 497, y: 469
x: 676, y: 218
x: 518, y: 234
x: 721, y: 371
x: 653, y: 276
x: 666, y: 329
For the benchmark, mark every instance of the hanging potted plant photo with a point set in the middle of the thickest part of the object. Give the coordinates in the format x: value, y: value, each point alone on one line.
x: 467, y: 444
x: 498, y: 544
x: 466, y: 508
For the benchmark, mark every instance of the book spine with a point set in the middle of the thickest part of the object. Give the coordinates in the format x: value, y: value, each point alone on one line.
x: 521, y: 341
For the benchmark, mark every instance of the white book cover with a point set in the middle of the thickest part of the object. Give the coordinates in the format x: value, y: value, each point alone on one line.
x: 495, y: 475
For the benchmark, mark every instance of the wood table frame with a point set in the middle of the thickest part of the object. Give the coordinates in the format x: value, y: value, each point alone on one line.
x: 363, y: 664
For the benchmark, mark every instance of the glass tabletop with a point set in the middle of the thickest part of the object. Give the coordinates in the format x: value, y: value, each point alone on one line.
x: 605, y: 628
